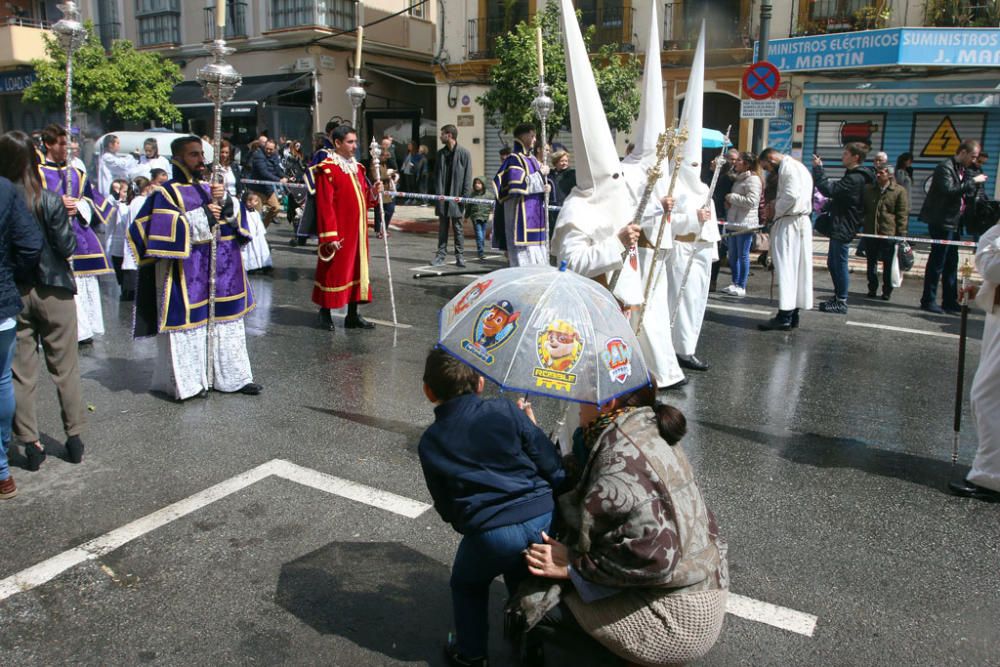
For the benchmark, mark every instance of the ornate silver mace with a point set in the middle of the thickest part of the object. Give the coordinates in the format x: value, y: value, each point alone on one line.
x: 71, y: 35
x: 219, y: 80
x: 542, y: 105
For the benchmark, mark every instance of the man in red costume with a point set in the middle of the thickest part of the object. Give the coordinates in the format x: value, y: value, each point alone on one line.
x: 342, y: 202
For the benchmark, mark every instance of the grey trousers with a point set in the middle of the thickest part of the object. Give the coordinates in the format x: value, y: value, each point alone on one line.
x: 49, y: 316
x: 446, y: 224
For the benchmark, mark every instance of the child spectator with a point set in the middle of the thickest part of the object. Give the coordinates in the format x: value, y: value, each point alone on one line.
x: 256, y: 253
x: 480, y: 213
x: 491, y: 472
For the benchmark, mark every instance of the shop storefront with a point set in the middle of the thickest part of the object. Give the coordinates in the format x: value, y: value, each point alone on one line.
x: 900, y: 90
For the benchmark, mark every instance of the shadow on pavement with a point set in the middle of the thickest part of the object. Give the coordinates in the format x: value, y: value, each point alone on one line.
x: 412, y: 432
x: 382, y: 596
x: 826, y: 452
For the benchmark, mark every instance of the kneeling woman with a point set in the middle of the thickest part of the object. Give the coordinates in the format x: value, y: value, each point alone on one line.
x: 644, y: 565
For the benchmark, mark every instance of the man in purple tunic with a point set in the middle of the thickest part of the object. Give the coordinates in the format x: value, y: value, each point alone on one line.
x: 520, y: 185
x: 171, y: 238
x: 87, y: 210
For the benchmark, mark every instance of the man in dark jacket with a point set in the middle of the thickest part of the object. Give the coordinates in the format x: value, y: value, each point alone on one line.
x: 951, y: 185
x: 453, y: 178
x: 845, y: 212
x: 887, y: 208
x: 266, y: 166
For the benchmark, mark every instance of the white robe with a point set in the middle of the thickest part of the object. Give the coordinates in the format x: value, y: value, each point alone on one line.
x: 89, y: 313
x: 654, y: 338
x: 986, y: 384
x: 182, y: 356
x: 256, y: 253
x: 146, y: 166
x: 112, y: 166
x: 791, y: 236
x: 689, y: 299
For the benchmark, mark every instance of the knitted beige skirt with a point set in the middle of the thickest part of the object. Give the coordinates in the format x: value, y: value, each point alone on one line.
x: 652, y: 628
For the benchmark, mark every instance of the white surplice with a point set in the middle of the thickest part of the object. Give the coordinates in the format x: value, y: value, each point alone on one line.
x: 986, y: 384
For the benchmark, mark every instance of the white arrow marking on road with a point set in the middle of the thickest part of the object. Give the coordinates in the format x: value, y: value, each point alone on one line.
x: 47, y: 570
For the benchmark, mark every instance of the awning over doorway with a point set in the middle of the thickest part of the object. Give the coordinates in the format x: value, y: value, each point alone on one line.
x: 254, y: 90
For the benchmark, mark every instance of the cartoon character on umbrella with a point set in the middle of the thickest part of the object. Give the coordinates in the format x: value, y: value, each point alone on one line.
x: 559, y: 349
x: 494, y: 326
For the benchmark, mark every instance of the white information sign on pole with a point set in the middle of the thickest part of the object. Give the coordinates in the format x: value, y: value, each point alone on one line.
x: 759, y: 108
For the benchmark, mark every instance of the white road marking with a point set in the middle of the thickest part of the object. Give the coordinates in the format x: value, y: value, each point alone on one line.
x: 51, y: 568
x: 939, y: 334
x: 765, y: 612
x: 41, y: 573
x: 739, y: 309
x: 387, y: 323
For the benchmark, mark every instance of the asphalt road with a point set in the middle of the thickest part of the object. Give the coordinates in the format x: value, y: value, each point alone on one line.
x: 824, y: 453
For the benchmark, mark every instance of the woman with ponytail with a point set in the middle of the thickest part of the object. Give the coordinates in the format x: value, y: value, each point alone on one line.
x: 641, y: 567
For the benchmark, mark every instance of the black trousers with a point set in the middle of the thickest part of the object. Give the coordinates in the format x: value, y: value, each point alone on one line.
x: 880, y: 250
x: 942, y: 265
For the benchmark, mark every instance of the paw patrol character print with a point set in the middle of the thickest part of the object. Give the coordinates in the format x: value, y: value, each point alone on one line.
x: 471, y: 296
x: 560, y: 347
x: 617, y: 358
x: 494, y: 326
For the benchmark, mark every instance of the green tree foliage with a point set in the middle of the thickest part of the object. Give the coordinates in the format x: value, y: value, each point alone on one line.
x: 515, y: 76
x: 125, y: 84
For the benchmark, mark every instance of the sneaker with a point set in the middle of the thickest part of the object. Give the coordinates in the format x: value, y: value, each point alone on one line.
x: 437, y: 261
x: 740, y: 292
x: 731, y: 290
x: 8, y: 489
x: 460, y: 262
x: 838, y: 307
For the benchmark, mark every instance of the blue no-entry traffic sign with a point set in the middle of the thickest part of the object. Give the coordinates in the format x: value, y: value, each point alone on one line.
x: 761, y: 80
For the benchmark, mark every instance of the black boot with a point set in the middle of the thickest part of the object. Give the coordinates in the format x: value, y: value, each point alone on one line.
x: 325, y: 319
x: 780, y: 322
x: 355, y: 321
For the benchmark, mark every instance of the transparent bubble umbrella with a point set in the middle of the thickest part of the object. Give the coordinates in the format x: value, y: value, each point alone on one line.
x: 545, y: 331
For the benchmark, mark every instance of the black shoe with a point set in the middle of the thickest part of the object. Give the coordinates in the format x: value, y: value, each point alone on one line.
x: 872, y: 293
x: 953, y: 310
x: 86, y: 342
x: 293, y: 242
x: 783, y: 321
x: 325, y: 319
x: 74, y: 449
x: 35, y: 456
x: 837, y: 307
x: 886, y: 296
x: 933, y: 308
x: 460, y: 262
x: 677, y: 385
x: 967, y: 489
x: 692, y: 363
x: 795, y: 318
x: 358, y: 322
x: 456, y: 659
x: 250, y: 389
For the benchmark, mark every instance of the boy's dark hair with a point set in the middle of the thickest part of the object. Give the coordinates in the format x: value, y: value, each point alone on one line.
x: 177, y: 145
x: 857, y: 149
x: 448, y: 377
x: 340, y: 133
x: 51, y: 134
x: 523, y: 128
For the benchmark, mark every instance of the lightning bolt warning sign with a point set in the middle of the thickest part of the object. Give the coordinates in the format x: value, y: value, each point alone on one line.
x: 944, y: 142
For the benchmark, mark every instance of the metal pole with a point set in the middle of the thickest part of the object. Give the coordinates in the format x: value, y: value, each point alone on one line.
x: 762, y: 42
x: 71, y: 35
x: 376, y: 152
x: 542, y: 106
x: 219, y: 80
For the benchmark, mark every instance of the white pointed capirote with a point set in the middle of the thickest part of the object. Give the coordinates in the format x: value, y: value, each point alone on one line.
x: 652, y: 120
x: 692, y: 118
x: 598, y: 208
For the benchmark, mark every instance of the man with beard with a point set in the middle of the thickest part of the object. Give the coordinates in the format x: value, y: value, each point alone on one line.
x: 171, y: 238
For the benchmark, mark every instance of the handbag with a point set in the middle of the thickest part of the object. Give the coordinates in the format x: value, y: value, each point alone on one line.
x: 761, y: 241
x: 904, y: 252
x: 824, y: 224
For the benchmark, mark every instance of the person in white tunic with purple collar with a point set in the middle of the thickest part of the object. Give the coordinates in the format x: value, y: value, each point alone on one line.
x: 983, y: 481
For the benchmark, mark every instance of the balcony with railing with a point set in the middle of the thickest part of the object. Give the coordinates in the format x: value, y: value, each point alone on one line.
x: 831, y: 16
x: 21, y: 40
x: 323, y: 14
x: 962, y: 13
x: 236, y: 21
x: 612, y: 25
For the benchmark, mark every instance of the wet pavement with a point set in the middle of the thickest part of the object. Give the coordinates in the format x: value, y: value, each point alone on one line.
x: 824, y: 453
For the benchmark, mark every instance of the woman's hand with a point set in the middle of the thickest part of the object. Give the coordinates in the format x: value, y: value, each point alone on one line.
x: 550, y: 559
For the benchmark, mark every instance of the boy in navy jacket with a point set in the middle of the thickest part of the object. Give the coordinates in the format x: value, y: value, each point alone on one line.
x: 491, y: 472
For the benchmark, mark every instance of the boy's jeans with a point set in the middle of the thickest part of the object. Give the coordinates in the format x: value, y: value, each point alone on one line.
x: 480, y: 558
x: 480, y: 227
x: 836, y: 262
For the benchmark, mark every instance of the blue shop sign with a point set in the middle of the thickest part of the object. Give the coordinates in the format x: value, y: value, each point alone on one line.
x: 16, y: 81
x: 912, y: 47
